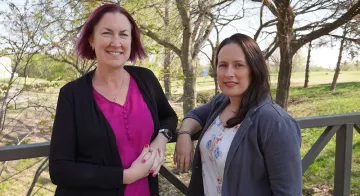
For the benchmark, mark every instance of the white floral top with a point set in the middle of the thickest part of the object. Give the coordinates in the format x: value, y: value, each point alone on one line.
x: 214, y: 147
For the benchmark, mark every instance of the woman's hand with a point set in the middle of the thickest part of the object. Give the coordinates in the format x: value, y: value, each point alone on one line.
x: 141, y: 166
x: 159, y: 145
x: 183, y: 154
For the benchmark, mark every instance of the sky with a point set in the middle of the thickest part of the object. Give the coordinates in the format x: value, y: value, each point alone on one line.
x: 324, y: 56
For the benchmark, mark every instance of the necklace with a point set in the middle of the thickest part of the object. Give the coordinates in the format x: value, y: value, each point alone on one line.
x: 117, y: 95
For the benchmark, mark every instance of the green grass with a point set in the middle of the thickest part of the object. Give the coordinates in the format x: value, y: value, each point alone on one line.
x: 19, y: 183
x: 319, y: 100
x: 298, y: 78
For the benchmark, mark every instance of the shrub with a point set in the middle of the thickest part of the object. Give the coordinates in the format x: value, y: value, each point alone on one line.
x: 205, y: 96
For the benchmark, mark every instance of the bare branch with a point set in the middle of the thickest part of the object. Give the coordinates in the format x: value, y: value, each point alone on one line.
x: 317, y: 23
x: 197, y: 25
x: 206, y: 55
x: 201, y: 39
x: 346, y: 38
x: 311, y: 7
x: 266, y: 24
x: 271, y: 49
x: 352, y: 12
x: 162, y: 42
x: 43, y: 166
x: 270, y: 6
x: 221, y: 2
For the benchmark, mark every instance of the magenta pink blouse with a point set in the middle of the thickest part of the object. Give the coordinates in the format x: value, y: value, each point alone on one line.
x: 133, y: 127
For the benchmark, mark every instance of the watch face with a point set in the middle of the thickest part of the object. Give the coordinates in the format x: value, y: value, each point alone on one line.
x: 167, y: 133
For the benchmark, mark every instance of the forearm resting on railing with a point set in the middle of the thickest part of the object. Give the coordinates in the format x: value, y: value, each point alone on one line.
x: 189, y: 126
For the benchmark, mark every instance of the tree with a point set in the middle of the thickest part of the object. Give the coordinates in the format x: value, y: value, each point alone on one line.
x: 197, y: 21
x: 167, y: 51
x: 64, y: 20
x: 337, y: 69
x: 290, y: 39
x: 351, y: 29
x: 307, y: 67
x: 21, y: 39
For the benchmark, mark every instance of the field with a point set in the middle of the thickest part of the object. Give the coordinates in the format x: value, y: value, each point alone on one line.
x: 297, y: 79
x: 313, y: 101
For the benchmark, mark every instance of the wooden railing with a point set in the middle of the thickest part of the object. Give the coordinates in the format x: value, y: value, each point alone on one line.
x: 342, y: 125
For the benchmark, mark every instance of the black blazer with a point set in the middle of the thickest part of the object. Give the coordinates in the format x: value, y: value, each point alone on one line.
x: 84, y: 158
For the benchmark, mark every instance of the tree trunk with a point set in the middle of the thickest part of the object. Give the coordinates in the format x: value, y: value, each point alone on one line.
x: 189, y: 97
x: 337, y: 70
x: 167, y: 75
x: 284, y: 77
x: 214, y: 70
x: 216, y: 86
x: 307, y: 70
x: 167, y: 55
x: 285, y: 35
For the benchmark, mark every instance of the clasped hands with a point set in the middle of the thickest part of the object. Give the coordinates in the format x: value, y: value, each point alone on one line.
x: 151, y: 158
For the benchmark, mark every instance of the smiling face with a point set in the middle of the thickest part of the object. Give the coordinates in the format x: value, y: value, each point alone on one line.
x: 233, y: 71
x: 111, y: 40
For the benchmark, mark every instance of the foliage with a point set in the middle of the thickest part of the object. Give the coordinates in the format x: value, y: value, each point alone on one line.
x: 205, y: 96
x: 348, y: 66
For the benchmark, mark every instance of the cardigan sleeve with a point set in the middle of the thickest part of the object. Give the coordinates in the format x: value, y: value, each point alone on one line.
x: 167, y: 116
x: 201, y: 113
x: 64, y: 168
x: 282, y: 158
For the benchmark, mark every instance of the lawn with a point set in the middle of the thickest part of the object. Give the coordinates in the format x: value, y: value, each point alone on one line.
x: 318, y: 100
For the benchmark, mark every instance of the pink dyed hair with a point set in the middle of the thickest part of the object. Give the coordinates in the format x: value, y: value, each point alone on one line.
x: 83, y: 47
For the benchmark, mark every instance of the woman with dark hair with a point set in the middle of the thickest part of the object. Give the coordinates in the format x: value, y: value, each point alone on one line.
x: 112, y: 124
x: 248, y: 145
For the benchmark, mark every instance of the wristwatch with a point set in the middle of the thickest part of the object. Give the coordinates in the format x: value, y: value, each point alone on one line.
x: 167, y: 133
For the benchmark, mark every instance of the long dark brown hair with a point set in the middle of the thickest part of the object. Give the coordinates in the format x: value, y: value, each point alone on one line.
x: 259, y: 86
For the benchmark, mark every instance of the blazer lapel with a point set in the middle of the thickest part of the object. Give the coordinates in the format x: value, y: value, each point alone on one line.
x: 242, y: 130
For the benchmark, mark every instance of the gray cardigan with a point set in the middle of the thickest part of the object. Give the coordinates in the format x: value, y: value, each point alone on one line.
x: 264, y: 156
